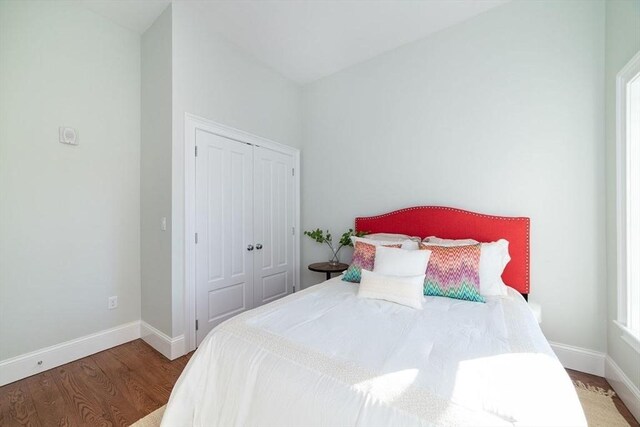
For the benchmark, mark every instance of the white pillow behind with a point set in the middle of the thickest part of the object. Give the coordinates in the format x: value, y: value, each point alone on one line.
x: 400, y: 262
x: 433, y: 240
x: 401, y: 290
x: 494, y: 257
x: 392, y: 237
x: 406, y: 243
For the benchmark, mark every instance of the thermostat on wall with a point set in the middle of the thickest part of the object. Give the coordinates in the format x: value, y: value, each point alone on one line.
x: 68, y: 135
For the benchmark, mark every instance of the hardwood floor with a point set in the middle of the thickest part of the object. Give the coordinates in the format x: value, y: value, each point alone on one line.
x: 118, y: 386
x: 115, y: 387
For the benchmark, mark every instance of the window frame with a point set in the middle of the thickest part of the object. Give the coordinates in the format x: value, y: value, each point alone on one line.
x: 628, y: 73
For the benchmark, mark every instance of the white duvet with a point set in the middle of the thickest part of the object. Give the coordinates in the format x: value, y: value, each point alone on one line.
x: 323, y: 357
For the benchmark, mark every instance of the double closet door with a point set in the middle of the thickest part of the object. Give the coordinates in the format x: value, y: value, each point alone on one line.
x: 244, y: 224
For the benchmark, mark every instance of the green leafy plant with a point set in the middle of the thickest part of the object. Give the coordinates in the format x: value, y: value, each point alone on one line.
x: 321, y: 236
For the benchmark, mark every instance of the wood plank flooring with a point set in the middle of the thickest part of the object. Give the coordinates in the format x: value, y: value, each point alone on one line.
x: 118, y: 386
x: 115, y: 387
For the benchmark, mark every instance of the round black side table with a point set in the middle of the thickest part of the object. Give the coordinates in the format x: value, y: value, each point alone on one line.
x: 328, y: 268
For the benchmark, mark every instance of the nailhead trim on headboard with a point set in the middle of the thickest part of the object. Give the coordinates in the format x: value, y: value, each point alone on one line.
x: 525, y: 220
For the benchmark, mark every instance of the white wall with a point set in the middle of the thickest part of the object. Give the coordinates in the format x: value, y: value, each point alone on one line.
x: 501, y: 114
x: 622, y: 42
x: 155, y: 173
x: 69, y: 216
x: 212, y: 78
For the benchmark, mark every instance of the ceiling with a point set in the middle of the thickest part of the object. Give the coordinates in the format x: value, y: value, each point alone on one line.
x: 309, y: 39
x: 136, y: 15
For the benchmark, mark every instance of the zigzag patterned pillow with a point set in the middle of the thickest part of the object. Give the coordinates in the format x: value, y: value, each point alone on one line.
x: 453, y: 272
x: 364, y: 255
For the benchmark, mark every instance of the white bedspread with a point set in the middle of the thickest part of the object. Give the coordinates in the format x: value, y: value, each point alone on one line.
x: 324, y: 357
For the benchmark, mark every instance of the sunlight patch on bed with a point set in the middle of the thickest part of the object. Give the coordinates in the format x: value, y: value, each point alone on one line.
x: 487, y: 384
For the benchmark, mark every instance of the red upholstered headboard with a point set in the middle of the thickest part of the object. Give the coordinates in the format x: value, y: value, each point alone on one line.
x: 451, y: 223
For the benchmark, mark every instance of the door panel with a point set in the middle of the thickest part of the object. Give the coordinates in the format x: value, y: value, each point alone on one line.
x: 273, y: 225
x: 226, y: 301
x: 224, y: 266
x: 275, y: 286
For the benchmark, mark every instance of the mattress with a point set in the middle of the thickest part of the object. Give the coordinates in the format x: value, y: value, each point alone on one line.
x: 324, y: 357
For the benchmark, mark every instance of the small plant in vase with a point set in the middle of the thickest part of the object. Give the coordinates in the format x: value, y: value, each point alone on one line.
x: 321, y: 236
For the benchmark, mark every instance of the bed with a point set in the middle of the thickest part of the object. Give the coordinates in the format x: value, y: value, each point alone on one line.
x: 325, y: 357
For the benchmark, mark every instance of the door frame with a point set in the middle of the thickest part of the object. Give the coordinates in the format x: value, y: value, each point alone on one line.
x: 191, y: 124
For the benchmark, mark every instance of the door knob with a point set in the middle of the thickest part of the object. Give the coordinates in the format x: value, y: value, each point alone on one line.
x: 250, y: 247
x: 259, y: 246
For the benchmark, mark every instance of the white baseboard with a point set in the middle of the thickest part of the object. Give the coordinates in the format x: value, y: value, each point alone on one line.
x: 628, y: 392
x: 580, y: 359
x: 171, y: 348
x: 28, y: 364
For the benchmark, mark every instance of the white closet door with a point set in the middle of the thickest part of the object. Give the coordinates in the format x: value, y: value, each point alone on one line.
x: 273, y: 225
x: 224, y: 222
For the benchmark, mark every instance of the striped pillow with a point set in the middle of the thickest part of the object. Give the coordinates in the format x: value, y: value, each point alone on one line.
x: 453, y: 272
x: 364, y: 255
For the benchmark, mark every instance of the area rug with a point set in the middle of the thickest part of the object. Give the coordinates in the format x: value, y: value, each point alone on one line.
x: 596, y: 402
x: 151, y: 420
x: 598, y: 406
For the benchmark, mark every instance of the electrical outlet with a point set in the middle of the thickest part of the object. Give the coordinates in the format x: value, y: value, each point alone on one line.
x: 113, y: 303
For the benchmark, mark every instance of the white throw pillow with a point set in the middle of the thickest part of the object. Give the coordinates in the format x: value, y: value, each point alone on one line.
x: 401, y: 290
x: 400, y: 262
x: 406, y: 243
x: 494, y: 257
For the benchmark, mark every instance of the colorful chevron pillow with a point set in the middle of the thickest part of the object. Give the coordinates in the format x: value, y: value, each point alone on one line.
x: 364, y: 255
x: 453, y: 272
